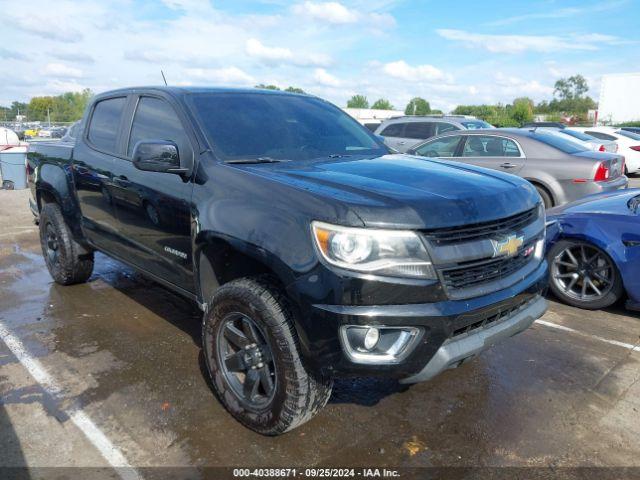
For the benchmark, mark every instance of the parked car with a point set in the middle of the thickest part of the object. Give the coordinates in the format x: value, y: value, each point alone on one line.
x: 631, y: 129
x: 628, y: 144
x: 45, y: 133
x: 560, y: 169
x: 593, y: 250
x: 594, y: 143
x: 311, y: 250
x: 31, y: 132
x: 58, y: 132
x: 544, y: 125
x: 401, y: 133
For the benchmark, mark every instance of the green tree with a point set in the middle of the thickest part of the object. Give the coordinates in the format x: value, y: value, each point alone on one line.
x: 382, y: 104
x: 67, y: 107
x: 570, y: 88
x: 267, y: 87
x: 417, y: 106
x: 358, y: 101
x: 294, y: 90
x: 522, y: 110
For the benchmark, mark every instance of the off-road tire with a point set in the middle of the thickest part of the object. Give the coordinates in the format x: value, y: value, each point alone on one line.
x: 299, y: 393
x: 73, y: 263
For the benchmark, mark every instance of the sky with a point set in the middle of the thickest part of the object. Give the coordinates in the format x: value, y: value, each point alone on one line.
x: 448, y: 52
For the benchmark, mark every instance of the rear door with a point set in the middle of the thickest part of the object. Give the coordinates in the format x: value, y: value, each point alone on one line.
x: 493, y: 151
x: 93, y: 160
x: 155, y: 212
x: 414, y: 133
x: 392, y: 134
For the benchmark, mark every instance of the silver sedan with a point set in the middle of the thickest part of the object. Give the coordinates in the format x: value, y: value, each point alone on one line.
x: 561, y: 169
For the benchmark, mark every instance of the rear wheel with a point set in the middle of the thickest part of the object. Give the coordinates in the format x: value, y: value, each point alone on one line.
x: 583, y: 275
x: 67, y: 261
x: 252, y: 354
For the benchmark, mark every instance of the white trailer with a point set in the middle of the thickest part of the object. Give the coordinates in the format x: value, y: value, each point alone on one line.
x: 619, y: 99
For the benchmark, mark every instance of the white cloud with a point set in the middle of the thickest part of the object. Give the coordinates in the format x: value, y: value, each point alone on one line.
x: 331, y: 12
x: 325, y: 78
x: 517, y: 87
x: 60, y: 70
x: 277, y: 55
x: 404, y: 71
x: 226, y: 75
x: 522, y: 43
x: 256, y: 49
x: 557, y: 13
x: 336, y: 13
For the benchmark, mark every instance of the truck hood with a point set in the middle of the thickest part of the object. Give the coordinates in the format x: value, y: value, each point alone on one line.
x: 402, y: 191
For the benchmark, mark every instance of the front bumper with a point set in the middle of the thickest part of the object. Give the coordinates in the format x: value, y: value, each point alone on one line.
x: 454, y: 352
x: 439, y: 319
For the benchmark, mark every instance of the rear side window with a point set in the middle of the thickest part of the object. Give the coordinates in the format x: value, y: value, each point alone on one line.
x: 601, y: 136
x: 628, y: 134
x: 490, y: 146
x: 561, y: 142
x: 105, y: 121
x: 393, y: 130
x: 155, y: 119
x: 442, y: 127
x: 418, y: 130
x: 441, y: 147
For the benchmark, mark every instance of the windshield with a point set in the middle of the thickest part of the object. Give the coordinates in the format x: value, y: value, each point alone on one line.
x: 579, y: 135
x: 559, y: 141
x: 628, y: 134
x: 475, y: 124
x: 280, y: 127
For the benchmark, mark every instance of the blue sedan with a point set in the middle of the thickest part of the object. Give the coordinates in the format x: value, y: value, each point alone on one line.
x: 593, y: 249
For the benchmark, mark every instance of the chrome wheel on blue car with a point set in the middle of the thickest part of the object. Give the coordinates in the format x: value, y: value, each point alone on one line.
x: 583, y: 275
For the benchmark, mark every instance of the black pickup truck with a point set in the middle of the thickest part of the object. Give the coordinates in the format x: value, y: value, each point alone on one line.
x: 313, y: 252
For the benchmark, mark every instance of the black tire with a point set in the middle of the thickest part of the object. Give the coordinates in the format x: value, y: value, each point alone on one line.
x: 297, y: 393
x: 546, y: 198
x: 67, y: 261
x: 614, y: 291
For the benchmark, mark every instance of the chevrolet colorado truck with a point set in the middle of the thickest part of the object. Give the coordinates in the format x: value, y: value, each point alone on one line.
x: 312, y: 250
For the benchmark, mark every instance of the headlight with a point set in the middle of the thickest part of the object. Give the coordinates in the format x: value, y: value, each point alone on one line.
x: 381, y: 252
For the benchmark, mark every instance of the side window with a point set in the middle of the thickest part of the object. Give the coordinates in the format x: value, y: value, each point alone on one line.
x: 490, y: 146
x: 442, y: 147
x: 601, y: 136
x: 105, y: 121
x: 155, y: 119
x: 442, y: 127
x: 418, y: 130
x: 393, y: 130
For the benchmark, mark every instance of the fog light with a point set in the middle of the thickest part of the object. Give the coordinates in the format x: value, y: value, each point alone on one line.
x: 371, y: 338
x: 378, y: 344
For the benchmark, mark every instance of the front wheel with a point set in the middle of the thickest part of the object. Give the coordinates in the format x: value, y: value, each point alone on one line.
x: 583, y: 275
x: 251, y: 351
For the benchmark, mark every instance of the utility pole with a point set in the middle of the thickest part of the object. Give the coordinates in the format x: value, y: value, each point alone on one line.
x: 48, y: 116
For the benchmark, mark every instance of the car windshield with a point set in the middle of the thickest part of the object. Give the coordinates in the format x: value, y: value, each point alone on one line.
x: 475, y: 124
x: 628, y: 134
x: 280, y: 127
x: 559, y: 141
x: 579, y: 135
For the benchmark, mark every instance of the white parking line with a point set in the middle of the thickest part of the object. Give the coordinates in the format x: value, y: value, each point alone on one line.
x: 628, y: 346
x: 98, y: 439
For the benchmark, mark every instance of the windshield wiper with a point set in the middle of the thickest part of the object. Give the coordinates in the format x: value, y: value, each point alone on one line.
x: 256, y: 160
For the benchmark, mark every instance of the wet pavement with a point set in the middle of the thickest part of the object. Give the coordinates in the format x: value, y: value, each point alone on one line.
x: 126, y: 353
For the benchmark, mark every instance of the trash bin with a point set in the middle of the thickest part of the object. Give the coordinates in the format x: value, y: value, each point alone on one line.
x: 12, y: 168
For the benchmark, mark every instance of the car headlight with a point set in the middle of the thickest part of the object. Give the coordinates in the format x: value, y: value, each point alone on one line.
x: 381, y: 252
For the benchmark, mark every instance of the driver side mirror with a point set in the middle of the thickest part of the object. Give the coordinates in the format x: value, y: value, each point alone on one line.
x: 157, y: 156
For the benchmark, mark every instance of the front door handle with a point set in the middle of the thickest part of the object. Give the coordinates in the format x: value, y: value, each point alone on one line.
x: 508, y: 165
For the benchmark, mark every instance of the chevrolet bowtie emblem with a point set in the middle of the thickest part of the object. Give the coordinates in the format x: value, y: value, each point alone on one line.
x: 508, y: 247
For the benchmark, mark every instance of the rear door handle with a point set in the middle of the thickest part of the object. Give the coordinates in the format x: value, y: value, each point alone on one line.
x: 508, y: 165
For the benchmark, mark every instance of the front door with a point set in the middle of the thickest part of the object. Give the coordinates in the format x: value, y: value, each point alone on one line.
x: 154, y: 209
x: 492, y: 151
